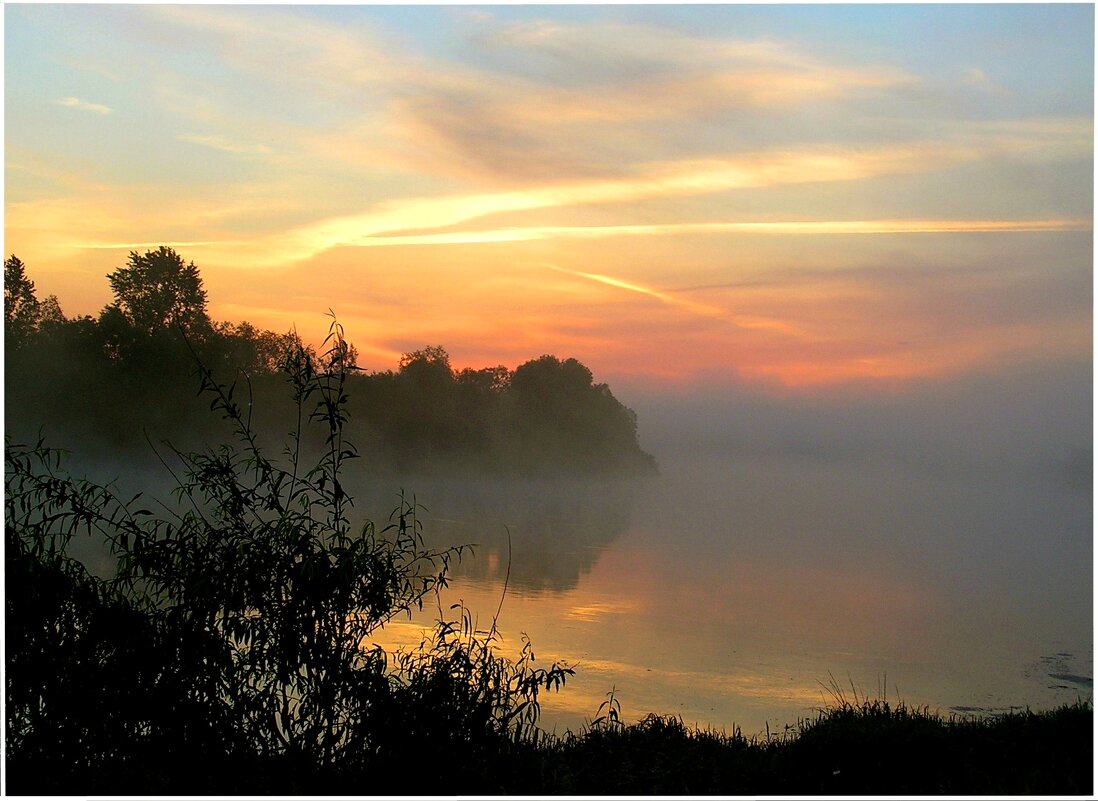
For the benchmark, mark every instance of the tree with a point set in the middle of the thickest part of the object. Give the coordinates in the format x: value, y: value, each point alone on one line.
x: 21, y: 306
x: 24, y: 314
x: 50, y: 315
x: 486, y: 380
x: 432, y: 356
x: 548, y: 380
x: 158, y: 291
x: 242, y: 346
x: 427, y: 372
x: 565, y: 419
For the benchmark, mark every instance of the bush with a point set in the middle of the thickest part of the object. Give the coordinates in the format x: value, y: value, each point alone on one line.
x: 230, y: 648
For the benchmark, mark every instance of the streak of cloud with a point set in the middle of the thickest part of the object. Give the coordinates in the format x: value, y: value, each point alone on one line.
x: 83, y: 105
x: 772, y: 228
x: 701, y: 309
x: 751, y: 170
x: 224, y: 145
x: 697, y: 308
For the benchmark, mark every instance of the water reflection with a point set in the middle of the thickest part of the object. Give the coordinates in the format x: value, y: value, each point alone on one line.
x: 557, y: 527
x: 951, y: 569
x: 730, y: 588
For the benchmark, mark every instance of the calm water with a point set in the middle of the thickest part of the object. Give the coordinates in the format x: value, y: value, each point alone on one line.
x: 733, y: 587
x: 939, y: 551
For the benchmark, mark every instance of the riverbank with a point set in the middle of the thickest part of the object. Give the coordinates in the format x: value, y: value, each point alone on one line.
x: 867, y: 748
x: 870, y: 748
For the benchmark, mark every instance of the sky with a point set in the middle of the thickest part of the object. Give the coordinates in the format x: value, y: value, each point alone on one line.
x: 795, y: 198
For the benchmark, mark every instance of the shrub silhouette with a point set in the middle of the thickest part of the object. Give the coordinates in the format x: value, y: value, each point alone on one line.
x: 235, y: 630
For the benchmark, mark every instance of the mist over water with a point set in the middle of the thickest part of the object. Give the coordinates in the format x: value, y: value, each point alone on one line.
x: 934, y: 543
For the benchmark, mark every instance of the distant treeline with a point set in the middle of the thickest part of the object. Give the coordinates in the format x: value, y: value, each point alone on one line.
x: 129, y: 373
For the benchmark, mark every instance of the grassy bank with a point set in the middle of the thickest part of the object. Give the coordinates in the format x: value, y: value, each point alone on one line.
x: 870, y: 748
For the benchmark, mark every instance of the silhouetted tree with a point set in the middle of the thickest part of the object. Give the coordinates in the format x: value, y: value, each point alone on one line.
x: 242, y: 346
x: 113, y: 377
x: 50, y: 315
x: 423, y: 415
x: 429, y: 369
x: 158, y: 290
x: 23, y: 312
x: 566, y: 421
x: 20, y: 303
x: 550, y: 378
x: 487, y: 379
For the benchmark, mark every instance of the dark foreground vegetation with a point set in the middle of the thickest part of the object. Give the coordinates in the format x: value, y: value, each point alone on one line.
x: 867, y: 748
x: 224, y: 643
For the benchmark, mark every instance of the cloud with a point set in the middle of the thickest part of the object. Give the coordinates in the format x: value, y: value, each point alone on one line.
x: 295, y: 49
x: 695, y: 308
x: 611, y: 95
x: 532, y: 102
x: 83, y: 105
x: 699, y: 309
x: 771, y: 228
x: 601, y: 52
x: 417, y: 216
x: 514, y: 103
x: 224, y: 145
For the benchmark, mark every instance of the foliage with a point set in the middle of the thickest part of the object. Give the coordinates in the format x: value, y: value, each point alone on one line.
x: 570, y: 421
x: 866, y: 748
x: 547, y: 417
x: 24, y: 314
x: 110, y: 378
x: 157, y: 291
x: 236, y: 626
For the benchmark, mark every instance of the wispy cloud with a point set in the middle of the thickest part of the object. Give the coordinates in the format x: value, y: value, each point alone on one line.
x: 600, y: 99
x: 225, y: 145
x: 778, y: 228
x: 701, y: 309
x: 697, y: 308
x: 83, y: 105
x: 415, y: 217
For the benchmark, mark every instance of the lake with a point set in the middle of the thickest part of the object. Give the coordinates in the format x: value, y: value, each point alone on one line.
x: 934, y: 546
x: 757, y: 572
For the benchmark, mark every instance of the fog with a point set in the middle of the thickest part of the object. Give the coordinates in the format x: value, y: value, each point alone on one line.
x: 1032, y: 419
x: 940, y: 534
x: 985, y: 475
x: 978, y: 489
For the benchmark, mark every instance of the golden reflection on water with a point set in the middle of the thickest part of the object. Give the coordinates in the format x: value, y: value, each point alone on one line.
x: 723, y: 645
x: 797, y: 575
x: 626, y: 634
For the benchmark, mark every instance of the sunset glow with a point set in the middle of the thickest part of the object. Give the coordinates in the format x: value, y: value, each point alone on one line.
x: 668, y: 194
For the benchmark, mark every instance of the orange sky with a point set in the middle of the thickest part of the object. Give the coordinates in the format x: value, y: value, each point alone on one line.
x: 663, y: 193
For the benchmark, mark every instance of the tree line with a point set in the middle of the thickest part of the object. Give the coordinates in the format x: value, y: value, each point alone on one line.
x: 114, y: 376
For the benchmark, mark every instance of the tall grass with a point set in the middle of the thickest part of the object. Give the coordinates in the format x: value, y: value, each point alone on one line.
x: 866, y: 748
